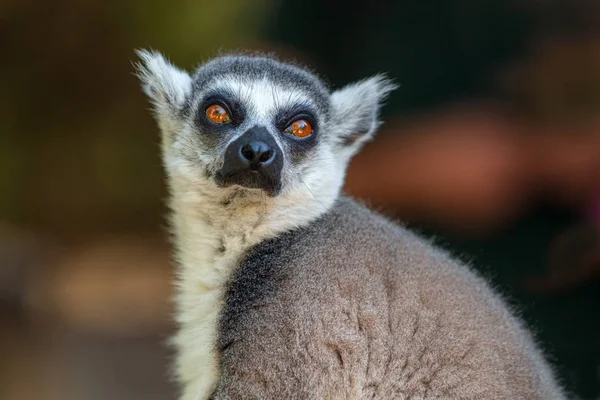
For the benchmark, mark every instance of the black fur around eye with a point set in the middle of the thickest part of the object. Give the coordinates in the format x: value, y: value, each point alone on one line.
x: 286, y: 118
x: 299, y: 146
x: 231, y: 108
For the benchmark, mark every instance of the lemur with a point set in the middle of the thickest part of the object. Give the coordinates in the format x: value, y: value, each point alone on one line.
x: 287, y: 289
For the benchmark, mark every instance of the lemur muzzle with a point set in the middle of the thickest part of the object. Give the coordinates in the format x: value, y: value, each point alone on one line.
x: 254, y: 160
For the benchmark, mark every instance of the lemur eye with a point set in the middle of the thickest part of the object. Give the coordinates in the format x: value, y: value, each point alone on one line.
x: 300, y: 128
x: 217, y: 114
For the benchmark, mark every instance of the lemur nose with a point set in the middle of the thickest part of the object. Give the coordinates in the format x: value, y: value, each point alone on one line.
x: 257, y: 152
x: 254, y: 160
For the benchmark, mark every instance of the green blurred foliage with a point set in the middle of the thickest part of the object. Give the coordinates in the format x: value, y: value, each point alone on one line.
x: 78, y: 147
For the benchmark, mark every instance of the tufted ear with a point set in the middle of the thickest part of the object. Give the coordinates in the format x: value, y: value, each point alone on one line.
x: 166, y: 85
x: 356, y: 110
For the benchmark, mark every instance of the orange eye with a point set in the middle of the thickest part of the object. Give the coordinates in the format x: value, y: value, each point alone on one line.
x: 217, y: 114
x: 300, y: 128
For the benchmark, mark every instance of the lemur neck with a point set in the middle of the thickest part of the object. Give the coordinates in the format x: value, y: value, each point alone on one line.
x: 209, y: 229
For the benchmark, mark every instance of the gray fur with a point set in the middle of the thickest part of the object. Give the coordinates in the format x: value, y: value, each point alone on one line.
x: 355, y: 307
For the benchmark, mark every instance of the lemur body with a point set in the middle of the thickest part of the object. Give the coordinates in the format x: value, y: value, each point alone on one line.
x: 288, y: 290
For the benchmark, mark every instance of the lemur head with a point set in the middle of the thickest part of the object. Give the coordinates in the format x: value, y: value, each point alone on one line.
x: 250, y: 127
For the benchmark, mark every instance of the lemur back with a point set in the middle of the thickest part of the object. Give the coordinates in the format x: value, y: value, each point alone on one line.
x: 288, y: 290
x: 355, y: 307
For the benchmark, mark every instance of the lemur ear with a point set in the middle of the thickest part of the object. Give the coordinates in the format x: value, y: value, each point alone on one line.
x: 166, y: 85
x: 356, y: 109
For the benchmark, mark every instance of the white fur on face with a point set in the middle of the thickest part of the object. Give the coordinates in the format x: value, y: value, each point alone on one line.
x: 263, y: 98
x: 211, y: 235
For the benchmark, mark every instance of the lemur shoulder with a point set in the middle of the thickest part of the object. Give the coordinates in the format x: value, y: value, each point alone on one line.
x: 286, y: 289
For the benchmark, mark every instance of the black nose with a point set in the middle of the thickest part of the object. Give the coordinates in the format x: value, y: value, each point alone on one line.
x: 257, y: 153
x: 253, y: 160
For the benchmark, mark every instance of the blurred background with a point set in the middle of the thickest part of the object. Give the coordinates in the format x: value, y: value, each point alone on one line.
x: 491, y: 145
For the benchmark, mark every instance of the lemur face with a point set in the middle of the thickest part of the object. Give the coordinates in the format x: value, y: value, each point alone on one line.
x: 252, y: 124
x: 257, y: 122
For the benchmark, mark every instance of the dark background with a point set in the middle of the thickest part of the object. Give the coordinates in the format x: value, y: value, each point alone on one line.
x: 491, y: 144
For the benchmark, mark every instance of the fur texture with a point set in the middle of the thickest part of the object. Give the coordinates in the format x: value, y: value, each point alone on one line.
x: 305, y: 294
x: 355, y: 307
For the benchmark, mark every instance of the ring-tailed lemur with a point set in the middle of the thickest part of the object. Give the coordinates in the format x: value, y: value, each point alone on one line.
x: 288, y: 290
